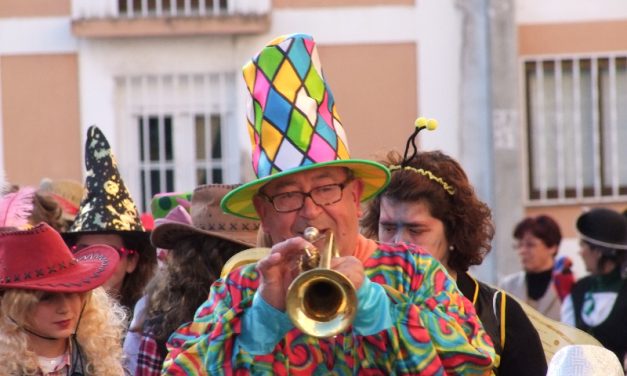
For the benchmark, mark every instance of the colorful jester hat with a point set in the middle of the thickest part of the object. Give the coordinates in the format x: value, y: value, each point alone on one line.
x: 293, y: 122
x: 107, y: 206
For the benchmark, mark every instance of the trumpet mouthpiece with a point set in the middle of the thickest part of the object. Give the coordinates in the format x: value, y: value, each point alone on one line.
x: 311, y: 234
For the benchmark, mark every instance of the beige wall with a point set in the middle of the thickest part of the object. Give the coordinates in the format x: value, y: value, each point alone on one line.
x: 34, y: 8
x: 40, y: 117
x: 577, y: 37
x: 375, y: 89
x: 335, y: 3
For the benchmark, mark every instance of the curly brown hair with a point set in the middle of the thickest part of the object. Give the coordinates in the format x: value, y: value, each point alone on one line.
x: 467, y: 220
x: 183, y: 285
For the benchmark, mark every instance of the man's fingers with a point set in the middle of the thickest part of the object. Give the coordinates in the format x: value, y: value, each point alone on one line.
x: 269, y: 261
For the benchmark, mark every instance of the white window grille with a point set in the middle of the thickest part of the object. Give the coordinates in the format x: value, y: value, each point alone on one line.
x: 178, y: 125
x: 103, y: 9
x: 576, y: 113
x: 145, y: 8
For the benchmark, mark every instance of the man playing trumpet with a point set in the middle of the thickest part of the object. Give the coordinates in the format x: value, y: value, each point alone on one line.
x: 409, y: 317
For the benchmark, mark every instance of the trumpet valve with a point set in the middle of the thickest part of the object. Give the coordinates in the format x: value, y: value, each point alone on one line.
x: 310, y: 259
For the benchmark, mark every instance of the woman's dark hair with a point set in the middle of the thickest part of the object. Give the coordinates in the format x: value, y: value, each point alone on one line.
x: 616, y: 257
x: 135, y: 282
x: 542, y: 227
x: 467, y: 220
x: 184, y: 283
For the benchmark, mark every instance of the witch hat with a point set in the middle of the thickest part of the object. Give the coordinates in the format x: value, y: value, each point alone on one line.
x: 107, y: 207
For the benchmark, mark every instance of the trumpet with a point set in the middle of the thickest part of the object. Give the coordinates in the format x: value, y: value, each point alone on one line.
x: 321, y: 302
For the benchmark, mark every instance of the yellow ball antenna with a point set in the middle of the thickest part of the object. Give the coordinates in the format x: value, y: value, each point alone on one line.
x: 421, y: 122
x: 432, y: 124
x: 429, y: 124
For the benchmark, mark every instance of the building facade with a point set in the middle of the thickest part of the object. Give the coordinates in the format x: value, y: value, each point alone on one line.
x: 530, y: 94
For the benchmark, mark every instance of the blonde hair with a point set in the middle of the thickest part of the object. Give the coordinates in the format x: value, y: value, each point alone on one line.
x: 99, y: 333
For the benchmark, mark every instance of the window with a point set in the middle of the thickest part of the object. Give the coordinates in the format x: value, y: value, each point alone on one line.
x: 576, y: 112
x: 208, y: 149
x: 155, y: 155
x: 175, y: 132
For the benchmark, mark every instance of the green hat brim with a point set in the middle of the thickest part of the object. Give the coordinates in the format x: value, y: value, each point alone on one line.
x: 239, y: 202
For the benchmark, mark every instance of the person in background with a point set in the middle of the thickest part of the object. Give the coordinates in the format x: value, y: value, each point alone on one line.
x: 108, y: 215
x: 199, y: 244
x: 54, y: 317
x: 430, y: 202
x: 306, y: 178
x: 67, y: 193
x: 26, y: 207
x: 162, y: 205
x: 543, y: 283
x: 597, y: 303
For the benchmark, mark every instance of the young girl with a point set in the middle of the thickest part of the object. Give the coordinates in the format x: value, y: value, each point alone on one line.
x: 54, y: 318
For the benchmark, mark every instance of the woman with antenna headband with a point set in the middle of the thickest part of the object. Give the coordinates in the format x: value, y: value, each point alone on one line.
x: 431, y: 203
x: 54, y: 318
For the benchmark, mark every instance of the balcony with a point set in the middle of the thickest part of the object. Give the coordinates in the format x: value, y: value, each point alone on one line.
x: 158, y: 18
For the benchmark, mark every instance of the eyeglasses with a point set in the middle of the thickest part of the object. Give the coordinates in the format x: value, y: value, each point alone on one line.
x: 121, y: 250
x: 322, y: 196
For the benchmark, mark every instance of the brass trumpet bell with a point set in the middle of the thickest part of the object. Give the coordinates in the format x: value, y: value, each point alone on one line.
x: 321, y: 302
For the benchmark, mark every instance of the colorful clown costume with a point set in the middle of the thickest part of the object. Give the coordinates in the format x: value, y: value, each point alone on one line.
x: 434, y: 331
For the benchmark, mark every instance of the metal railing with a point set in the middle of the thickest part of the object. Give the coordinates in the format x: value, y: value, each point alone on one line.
x: 130, y: 9
x: 576, y: 128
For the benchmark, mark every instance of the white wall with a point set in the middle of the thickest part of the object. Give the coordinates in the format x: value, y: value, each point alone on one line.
x: 557, y: 11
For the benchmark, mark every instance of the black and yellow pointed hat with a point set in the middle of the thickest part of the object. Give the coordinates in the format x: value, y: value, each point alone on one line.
x: 107, y: 206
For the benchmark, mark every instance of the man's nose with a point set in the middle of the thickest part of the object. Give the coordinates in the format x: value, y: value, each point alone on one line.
x: 310, y: 209
x: 399, y: 236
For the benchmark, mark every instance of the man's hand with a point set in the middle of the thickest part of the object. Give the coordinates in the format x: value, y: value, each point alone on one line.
x: 279, y: 269
x: 351, y: 267
x: 281, y: 266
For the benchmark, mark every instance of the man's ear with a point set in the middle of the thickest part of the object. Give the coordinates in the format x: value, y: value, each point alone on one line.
x: 357, y: 191
x: 260, y: 208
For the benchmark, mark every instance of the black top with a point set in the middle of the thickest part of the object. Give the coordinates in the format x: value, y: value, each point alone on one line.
x: 612, y: 332
x: 523, y: 353
x: 537, y: 283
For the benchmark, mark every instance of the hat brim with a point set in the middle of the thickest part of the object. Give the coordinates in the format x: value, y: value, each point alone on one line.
x: 141, y: 236
x: 94, y: 265
x: 167, y: 235
x: 375, y: 176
